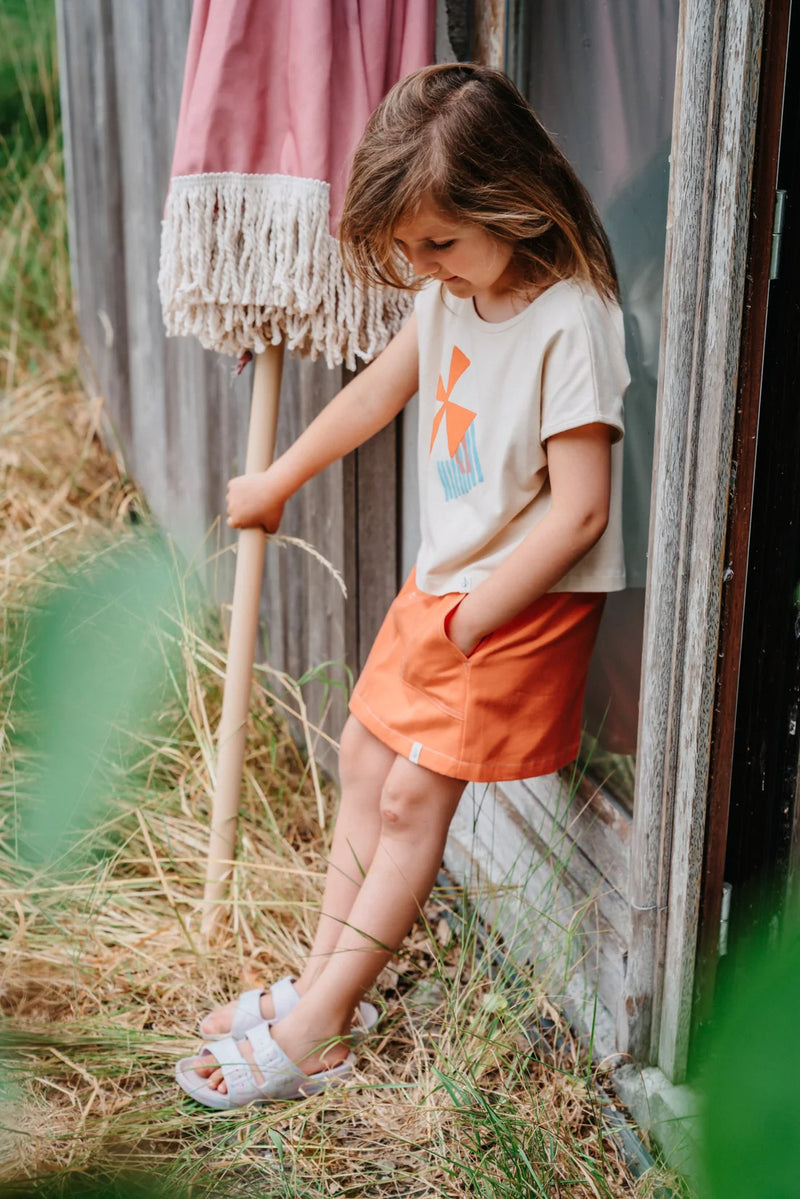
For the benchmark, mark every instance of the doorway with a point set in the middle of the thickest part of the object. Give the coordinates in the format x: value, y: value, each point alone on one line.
x: 751, y: 837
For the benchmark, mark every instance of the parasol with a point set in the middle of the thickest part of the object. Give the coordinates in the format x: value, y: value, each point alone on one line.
x: 275, y: 96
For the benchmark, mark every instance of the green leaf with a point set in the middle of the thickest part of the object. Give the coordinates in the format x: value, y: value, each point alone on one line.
x: 100, y: 650
x: 751, y: 1121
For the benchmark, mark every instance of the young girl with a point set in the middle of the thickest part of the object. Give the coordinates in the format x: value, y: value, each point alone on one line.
x: 478, y: 672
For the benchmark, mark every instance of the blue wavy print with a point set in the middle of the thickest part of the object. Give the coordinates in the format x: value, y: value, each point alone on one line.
x: 462, y: 472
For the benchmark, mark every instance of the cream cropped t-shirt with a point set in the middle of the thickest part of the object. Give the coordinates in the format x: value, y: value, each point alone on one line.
x: 490, y: 395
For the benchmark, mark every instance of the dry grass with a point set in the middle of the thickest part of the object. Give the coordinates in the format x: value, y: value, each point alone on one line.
x: 104, y: 973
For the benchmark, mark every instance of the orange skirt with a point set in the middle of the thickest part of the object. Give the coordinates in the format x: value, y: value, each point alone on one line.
x: 510, y: 710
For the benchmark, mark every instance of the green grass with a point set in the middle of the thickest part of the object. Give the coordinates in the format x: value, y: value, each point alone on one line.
x: 34, y: 266
x: 27, y: 110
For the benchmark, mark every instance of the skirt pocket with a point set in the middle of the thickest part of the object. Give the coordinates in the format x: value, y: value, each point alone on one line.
x: 431, y: 663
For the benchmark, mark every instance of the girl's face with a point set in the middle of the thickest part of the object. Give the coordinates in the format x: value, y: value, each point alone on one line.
x: 460, y: 254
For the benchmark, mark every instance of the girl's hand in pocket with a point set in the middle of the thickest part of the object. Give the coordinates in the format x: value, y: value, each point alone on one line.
x: 253, y: 504
x: 459, y: 631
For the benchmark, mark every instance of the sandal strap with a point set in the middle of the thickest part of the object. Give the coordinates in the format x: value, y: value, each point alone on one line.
x: 283, y: 1079
x: 236, y: 1070
x: 248, y: 1012
x: 284, y: 996
x: 270, y: 1058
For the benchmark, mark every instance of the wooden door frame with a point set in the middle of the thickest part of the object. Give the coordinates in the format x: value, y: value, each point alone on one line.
x: 716, y: 101
x: 765, y: 757
x: 765, y: 175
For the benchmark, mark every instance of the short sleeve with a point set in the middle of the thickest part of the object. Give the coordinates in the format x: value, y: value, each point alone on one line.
x: 584, y: 371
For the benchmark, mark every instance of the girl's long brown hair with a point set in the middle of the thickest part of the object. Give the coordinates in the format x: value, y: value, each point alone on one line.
x: 463, y: 135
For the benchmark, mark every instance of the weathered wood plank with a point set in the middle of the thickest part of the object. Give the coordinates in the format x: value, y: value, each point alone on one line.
x: 94, y: 194
x: 539, y: 909
x: 710, y: 488
x: 409, y: 487
x: 580, y: 935
x: 570, y: 853
x: 144, y: 181
x: 536, y: 899
x: 378, y: 495
x: 489, y: 32
x: 304, y: 608
x: 591, y: 820
x: 578, y: 996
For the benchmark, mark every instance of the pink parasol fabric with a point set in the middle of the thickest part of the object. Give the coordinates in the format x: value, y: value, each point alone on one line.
x: 275, y: 98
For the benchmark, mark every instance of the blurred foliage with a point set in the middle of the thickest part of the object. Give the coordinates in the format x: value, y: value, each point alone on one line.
x: 751, y: 1119
x: 100, y: 651
x: 78, y: 1184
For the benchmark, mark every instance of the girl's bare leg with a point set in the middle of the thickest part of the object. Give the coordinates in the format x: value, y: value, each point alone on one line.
x: 364, y: 763
x: 416, y: 808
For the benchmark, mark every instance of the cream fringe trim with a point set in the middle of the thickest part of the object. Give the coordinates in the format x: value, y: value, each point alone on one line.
x: 249, y: 260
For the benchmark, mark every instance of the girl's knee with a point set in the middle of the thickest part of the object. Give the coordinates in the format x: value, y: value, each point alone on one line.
x: 402, y: 807
x: 417, y: 802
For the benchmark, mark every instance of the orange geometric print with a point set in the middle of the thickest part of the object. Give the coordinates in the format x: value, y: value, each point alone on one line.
x: 457, y: 418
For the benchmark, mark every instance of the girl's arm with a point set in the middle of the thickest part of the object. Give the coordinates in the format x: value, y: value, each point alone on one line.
x: 369, y: 401
x: 579, y: 465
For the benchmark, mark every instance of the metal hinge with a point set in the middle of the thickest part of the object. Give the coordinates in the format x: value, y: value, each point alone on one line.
x: 724, y: 918
x: 777, y: 234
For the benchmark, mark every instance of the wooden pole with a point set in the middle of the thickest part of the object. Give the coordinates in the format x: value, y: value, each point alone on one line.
x: 241, y: 644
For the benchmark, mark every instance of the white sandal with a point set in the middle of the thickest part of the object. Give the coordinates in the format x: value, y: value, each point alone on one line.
x: 284, y: 997
x: 282, y: 1078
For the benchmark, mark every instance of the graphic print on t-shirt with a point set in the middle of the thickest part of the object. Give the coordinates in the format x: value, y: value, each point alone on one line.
x: 461, y: 471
